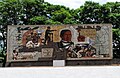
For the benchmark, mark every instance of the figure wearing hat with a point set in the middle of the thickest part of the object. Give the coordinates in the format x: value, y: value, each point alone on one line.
x: 48, y: 34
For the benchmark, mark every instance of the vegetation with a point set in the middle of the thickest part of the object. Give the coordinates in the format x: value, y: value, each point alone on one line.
x: 25, y: 12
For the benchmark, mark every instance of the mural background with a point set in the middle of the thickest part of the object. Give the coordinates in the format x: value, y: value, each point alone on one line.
x: 71, y: 42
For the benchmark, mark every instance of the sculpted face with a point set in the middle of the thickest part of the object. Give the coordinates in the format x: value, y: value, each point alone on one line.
x: 81, y: 38
x: 67, y: 36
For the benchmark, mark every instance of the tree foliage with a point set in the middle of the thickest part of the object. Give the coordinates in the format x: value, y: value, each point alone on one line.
x: 25, y: 12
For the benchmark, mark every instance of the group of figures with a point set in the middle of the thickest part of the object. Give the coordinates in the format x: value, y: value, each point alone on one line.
x: 71, y: 40
x: 32, y: 39
x: 80, y: 51
x: 77, y: 48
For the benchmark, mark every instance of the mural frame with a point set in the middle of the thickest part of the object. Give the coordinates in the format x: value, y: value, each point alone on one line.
x: 13, y: 31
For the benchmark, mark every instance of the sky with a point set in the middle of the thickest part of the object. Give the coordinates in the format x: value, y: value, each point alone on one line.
x: 73, y: 4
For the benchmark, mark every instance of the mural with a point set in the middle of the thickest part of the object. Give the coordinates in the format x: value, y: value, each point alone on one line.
x: 32, y: 43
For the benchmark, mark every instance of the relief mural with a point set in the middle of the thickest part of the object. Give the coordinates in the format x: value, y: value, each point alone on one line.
x: 68, y: 42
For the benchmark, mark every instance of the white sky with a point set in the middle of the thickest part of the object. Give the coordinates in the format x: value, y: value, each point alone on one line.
x: 73, y: 4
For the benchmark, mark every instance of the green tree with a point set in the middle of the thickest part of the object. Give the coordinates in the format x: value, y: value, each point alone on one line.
x: 90, y: 12
x: 60, y: 15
